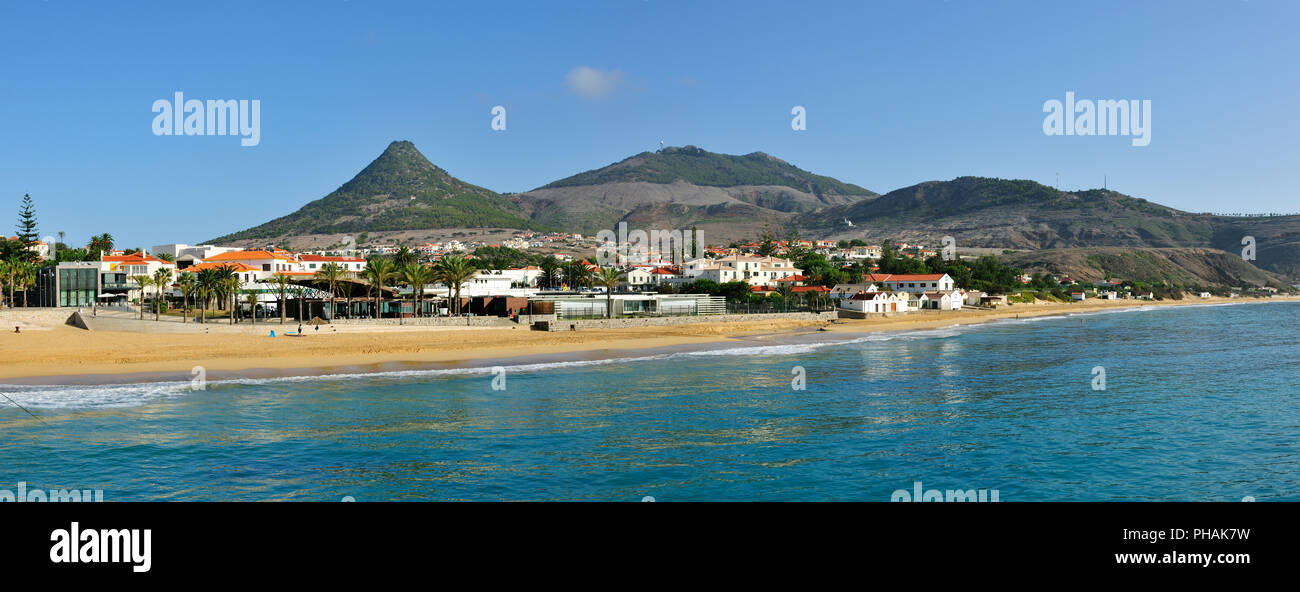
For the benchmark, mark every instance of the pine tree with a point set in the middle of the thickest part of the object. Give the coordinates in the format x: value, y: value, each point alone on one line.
x: 27, y: 233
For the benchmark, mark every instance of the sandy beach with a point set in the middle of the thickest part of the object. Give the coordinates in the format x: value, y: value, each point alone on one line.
x: 47, y: 348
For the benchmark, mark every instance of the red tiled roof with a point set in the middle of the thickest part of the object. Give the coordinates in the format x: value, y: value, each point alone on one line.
x: 903, y: 277
x: 246, y: 255
x: 135, y: 258
x: 239, y: 267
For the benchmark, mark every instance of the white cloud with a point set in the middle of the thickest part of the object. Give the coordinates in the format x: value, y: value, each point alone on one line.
x: 593, y: 83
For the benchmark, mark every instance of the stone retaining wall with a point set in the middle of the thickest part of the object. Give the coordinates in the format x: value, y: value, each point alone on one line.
x: 432, y: 322
x: 579, y: 324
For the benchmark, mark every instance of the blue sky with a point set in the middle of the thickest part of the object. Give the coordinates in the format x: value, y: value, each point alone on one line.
x: 896, y: 93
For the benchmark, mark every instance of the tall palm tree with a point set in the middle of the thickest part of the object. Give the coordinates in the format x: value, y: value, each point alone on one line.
x: 416, y: 275
x: 454, y: 271
x: 577, y: 274
x: 609, y: 277
x: 281, y: 283
x: 550, y: 272
x: 102, y: 243
x: 209, y: 285
x: 162, y: 278
x: 188, y: 284
x: 378, y: 271
x: 142, y: 282
x: 348, y: 288
x: 250, y: 297
x: 404, y: 256
x: 26, y: 278
x: 6, y: 270
x: 331, y: 273
x: 299, y: 293
x: 228, y: 284
x: 13, y: 267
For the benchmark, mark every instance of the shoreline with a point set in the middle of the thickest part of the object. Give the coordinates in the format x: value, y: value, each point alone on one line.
x: 59, y: 354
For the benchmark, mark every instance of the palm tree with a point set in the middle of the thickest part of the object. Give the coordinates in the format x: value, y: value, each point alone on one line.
x: 102, y: 243
x: 378, y: 270
x: 25, y: 278
x: 550, y: 272
x: 416, y: 275
x: 577, y: 274
x: 209, y: 285
x: 404, y: 256
x: 228, y: 284
x: 785, y: 292
x: 250, y: 297
x: 299, y: 292
x: 12, y: 269
x: 142, y: 282
x: 5, y: 273
x: 188, y: 284
x: 609, y: 277
x: 161, y: 279
x: 331, y: 273
x: 281, y: 283
x: 348, y: 287
x: 454, y: 271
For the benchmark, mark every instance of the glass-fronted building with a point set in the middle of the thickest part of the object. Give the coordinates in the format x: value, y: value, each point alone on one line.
x: 68, y: 284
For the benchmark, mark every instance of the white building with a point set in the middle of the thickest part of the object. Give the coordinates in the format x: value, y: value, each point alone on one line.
x: 845, y: 291
x: 757, y: 271
x: 867, y: 252
x: 264, y: 264
x: 940, y: 300
x: 313, y: 263
x: 874, y: 302
x: 918, y: 283
x: 187, y: 255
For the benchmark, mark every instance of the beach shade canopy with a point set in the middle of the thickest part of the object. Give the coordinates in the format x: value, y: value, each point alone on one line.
x: 317, y: 321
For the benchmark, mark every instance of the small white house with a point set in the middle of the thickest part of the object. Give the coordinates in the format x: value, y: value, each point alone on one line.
x: 943, y: 300
x: 874, y: 302
x: 846, y: 291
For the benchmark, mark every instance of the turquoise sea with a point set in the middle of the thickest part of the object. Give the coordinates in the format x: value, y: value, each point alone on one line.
x: 1201, y: 403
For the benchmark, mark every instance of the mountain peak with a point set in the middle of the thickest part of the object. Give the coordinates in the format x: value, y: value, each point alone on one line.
x: 698, y: 166
x: 399, y: 190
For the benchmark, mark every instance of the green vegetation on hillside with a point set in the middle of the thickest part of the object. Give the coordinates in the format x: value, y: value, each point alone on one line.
x: 701, y: 167
x: 400, y: 190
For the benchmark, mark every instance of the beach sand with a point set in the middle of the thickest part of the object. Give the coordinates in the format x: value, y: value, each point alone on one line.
x: 47, y: 348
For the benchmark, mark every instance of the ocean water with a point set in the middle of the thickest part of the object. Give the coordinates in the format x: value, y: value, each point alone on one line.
x: 1201, y: 403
